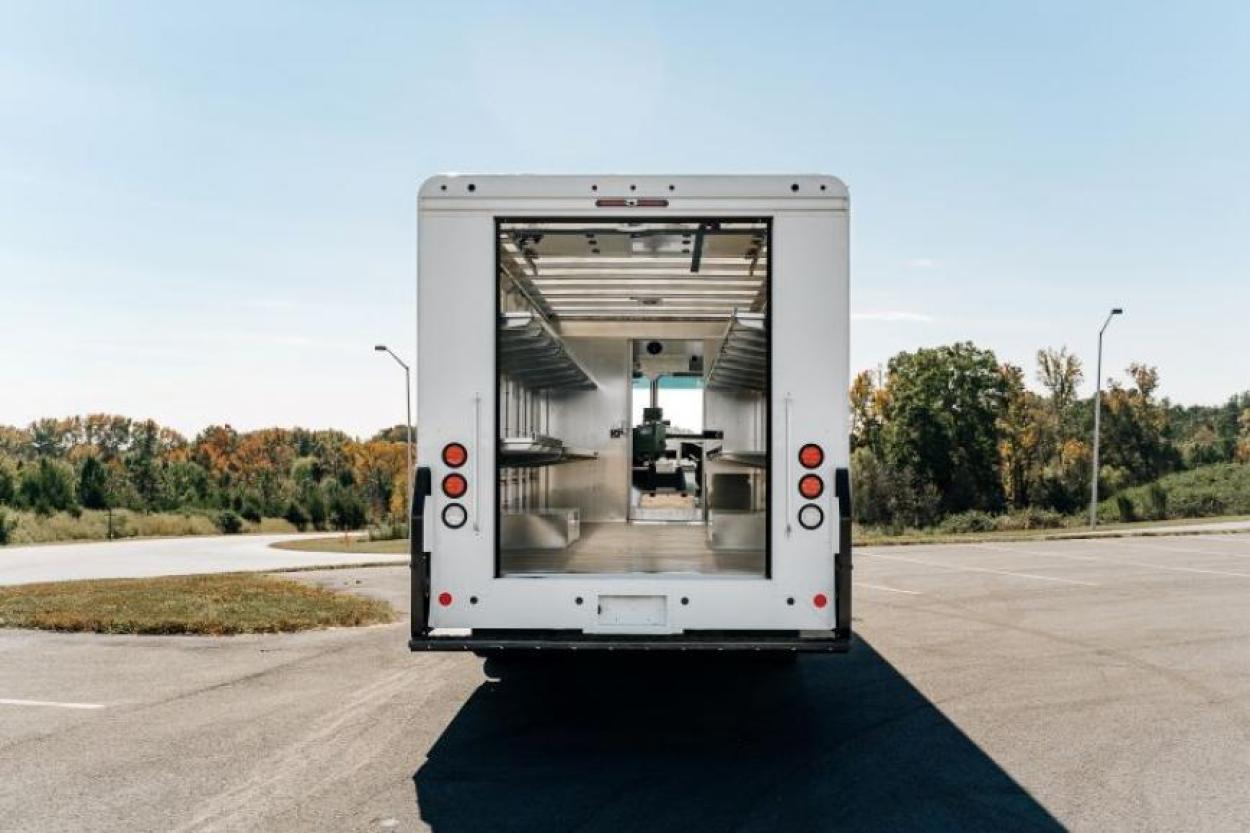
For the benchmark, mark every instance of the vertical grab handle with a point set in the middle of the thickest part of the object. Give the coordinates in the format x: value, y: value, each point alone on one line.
x: 477, y: 462
x: 789, y: 471
x: 419, y: 557
x: 842, y: 559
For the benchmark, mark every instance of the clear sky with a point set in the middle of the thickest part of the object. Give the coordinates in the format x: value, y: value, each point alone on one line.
x: 207, y: 210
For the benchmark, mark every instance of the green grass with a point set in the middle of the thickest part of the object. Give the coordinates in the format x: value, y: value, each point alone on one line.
x: 93, y: 525
x: 1219, y: 489
x: 232, y: 603
x: 1078, y: 529
x: 341, y: 543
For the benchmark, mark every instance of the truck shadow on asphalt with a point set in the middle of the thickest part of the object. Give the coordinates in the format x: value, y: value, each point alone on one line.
x: 700, y: 743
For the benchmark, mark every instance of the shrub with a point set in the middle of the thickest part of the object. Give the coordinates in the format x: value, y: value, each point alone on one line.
x: 388, y: 530
x: 1124, y: 505
x: 296, y: 516
x: 973, y: 520
x: 7, y: 526
x: 1157, y: 501
x: 229, y: 522
x: 1220, y: 489
x: 1031, y: 518
x: 251, y: 509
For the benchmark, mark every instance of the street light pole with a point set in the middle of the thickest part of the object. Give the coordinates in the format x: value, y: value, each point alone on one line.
x: 1093, y: 487
x: 382, y: 348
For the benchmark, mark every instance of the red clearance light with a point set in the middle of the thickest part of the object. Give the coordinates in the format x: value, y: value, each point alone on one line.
x: 820, y: 599
x: 455, y: 455
x: 454, y: 485
x: 811, y: 456
x: 811, y: 486
x: 444, y: 599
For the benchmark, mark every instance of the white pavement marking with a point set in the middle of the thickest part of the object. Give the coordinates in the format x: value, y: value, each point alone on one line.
x: 50, y: 704
x: 1170, y: 548
x: 1168, y: 567
x: 890, y: 589
x: 982, y: 570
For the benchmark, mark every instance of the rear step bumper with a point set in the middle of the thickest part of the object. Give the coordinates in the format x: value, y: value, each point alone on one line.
x: 552, y: 640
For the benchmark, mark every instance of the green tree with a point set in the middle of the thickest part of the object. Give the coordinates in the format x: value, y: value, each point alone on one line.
x: 941, y: 423
x: 142, y: 464
x: 8, y: 480
x: 47, y: 486
x: 93, y: 484
x: 346, y: 508
x: 1060, y: 374
x: 296, y: 516
x: 1136, y: 444
x: 315, y: 504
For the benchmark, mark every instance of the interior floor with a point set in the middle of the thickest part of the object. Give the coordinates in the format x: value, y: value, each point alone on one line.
x: 636, y: 548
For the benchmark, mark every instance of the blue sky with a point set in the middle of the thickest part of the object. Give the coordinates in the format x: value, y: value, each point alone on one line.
x: 207, y: 210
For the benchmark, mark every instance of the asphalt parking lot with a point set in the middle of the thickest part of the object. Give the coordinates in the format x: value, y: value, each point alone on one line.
x: 1092, y: 685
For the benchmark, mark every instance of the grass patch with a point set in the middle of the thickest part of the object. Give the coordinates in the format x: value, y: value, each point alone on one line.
x: 93, y: 525
x: 340, y: 543
x: 232, y: 603
x: 1078, y: 528
x: 1218, y: 489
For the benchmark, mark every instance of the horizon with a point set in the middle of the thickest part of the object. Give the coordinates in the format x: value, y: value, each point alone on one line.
x: 209, y: 213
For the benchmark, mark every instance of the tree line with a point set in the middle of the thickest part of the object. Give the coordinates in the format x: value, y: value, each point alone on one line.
x: 318, y: 479
x: 937, y: 435
x: 951, y: 430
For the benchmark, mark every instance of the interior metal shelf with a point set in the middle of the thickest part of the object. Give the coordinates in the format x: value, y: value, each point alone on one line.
x: 750, y: 459
x: 742, y: 361
x: 532, y: 353
x: 532, y: 452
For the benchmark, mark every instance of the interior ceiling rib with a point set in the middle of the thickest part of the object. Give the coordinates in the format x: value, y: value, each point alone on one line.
x: 694, y: 270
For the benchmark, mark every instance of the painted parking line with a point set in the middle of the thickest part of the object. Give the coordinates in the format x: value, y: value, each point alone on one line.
x: 888, y: 589
x: 1173, y: 548
x: 967, y: 569
x: 1097, y: 559
x: 49, y: 704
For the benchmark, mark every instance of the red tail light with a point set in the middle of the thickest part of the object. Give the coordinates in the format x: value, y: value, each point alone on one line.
x: 811, y: 486
x: 811, y: 456
x: 444, y: 599
x: 820, y: 600
x: 455, y: 455
x: 454, y: 485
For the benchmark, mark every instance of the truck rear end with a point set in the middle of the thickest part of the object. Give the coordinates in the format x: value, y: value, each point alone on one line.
x: 632, y: 414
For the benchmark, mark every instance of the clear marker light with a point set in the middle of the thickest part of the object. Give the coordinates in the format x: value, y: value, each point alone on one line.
x: 811, y: 516
x: 454, y: 515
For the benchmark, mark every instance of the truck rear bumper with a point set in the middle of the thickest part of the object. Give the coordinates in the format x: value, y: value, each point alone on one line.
x: 554, y: 640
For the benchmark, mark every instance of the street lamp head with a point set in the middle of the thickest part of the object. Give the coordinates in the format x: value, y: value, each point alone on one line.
x: 1117, y: 311
x: 379, y: 347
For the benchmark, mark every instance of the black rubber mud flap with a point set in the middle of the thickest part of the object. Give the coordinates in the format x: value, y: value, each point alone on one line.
x: 419, y: 561
x: 842, y: 560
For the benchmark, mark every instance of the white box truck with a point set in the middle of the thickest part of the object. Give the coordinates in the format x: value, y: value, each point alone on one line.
x: 632, y: 414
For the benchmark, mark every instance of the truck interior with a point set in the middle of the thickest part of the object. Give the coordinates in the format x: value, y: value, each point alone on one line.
x: 632, y: 361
